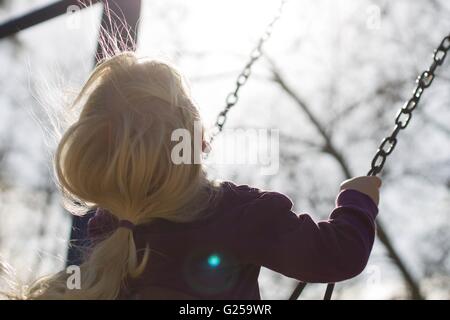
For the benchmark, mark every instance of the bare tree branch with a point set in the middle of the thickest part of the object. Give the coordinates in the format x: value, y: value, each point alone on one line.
x: 390, y: 88
x: 434, y: 122
x: 328, y: 146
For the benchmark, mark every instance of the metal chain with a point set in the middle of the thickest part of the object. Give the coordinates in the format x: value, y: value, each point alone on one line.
x: 404, y: 115
x: 233, y: 97
x: 402, y: 120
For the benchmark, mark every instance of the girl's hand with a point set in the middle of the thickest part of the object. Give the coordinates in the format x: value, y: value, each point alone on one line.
x: 367, y: 185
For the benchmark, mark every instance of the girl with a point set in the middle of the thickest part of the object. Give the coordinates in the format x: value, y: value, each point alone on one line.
x: 162, y: 230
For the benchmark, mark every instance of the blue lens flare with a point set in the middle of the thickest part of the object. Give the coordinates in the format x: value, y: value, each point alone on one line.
x: 214, y: 261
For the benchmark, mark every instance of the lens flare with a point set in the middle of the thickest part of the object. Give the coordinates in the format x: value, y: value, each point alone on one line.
x: 214, y: 261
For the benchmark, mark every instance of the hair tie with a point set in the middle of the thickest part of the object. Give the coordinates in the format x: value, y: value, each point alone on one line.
x: 104, y: 223
x: 126, y: 224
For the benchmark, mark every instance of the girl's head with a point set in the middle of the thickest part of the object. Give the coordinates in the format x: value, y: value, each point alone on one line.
x: 117, y: 156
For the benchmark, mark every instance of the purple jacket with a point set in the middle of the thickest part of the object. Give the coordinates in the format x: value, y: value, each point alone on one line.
x: 220, y: 257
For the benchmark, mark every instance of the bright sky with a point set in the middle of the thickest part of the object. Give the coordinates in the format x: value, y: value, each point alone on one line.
x: 206, y: 38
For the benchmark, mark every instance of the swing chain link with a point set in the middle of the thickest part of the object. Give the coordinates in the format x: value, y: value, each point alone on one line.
x: 233, y: 97
x: 404, y: 115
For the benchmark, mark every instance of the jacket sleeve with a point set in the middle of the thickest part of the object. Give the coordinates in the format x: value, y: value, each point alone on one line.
x: 294, y: 245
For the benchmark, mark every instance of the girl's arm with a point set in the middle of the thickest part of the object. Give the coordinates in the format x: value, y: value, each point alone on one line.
x: 296, y: 246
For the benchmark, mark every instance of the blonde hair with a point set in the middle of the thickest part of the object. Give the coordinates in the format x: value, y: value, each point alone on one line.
x: 117, y: 156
